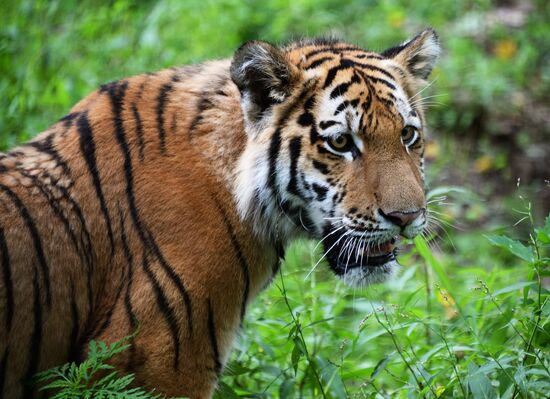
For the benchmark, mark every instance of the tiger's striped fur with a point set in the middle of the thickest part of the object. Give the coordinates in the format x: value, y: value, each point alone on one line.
x: 165, y: 200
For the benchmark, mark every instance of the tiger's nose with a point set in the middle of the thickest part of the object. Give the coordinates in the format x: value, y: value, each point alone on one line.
x: 402, y: 219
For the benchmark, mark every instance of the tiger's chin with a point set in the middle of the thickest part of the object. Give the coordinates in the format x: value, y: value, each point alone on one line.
x: 365, y: 263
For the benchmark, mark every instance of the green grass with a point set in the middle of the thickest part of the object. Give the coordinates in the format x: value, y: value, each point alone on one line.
x: 444, y: 328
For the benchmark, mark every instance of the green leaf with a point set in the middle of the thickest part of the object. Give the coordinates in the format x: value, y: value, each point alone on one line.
x: 436, y: 266
x: 330, y: 378
x: 512, y: 287
x: 296, y: 354
x: 235, y: 368
x: 521, y: 380
x: 224, y: 391
x: 543, y: 236
x: 479, y: 384
x: 381, y: 365
x: 513, y: 246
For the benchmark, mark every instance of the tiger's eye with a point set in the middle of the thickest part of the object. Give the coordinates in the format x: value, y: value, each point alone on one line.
x: 339, y: 143
x: 408, y: 134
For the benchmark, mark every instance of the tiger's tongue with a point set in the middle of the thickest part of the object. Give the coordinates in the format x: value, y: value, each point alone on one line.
x: 380, y: 249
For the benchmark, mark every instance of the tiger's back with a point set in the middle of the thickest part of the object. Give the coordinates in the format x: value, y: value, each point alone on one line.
x: 163, y: 202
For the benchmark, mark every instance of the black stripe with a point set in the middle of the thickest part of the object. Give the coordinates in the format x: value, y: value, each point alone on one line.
x: 240, y: 257
x: 35, y: 236
x: 383, y: 81
x: 274, y: 148
x: 368, y: 78
x: 213, y: 340
x: 372, y: 68
x: 326, y: 124
x: 161, y: 102
x: 108, y: 316
x: 321, y: 167
x: 321, y: 191
x: 138, y: 122
x: 139, y: 132
x: 334, y: 50
x: 203, y: 104
x: 8, y: 283
x: 342, y: 88
x: 341, y: 107
x: 310, y: 102
x: 345, y: 104
x: 331, y: 74
x: 294, y: 148
x: 87, y: 147
x: 68, y: 119
x: 165, y: 308
x: 58, y: 212
x: 306, y: 119
x: 74, y: 354
x: 36, y: 339
x: 132, y: 319
x: 48, y: 147
x: 3, y: 369
x: 318, y: 62
x: 366, y: 105
x: 369, y: 56
x: 145, y: 236
x: 313, y: 135
x: 173, y: 277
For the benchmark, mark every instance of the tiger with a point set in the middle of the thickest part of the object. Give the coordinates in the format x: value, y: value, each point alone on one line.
x: 163, y: 203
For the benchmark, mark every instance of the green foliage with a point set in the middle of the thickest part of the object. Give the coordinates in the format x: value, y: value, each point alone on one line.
x: 445, y: 328
x: 94, y: 378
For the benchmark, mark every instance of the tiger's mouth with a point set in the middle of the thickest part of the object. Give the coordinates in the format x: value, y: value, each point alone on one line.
x: 360, y: 260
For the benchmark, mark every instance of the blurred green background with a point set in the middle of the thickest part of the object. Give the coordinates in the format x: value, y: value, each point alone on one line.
x: 488, y: 153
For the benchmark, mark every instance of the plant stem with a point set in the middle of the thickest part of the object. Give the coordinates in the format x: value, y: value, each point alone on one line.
x: 396, y: 345
x: 301, y: 336
x: 452, y: 357
x: 428, y: 301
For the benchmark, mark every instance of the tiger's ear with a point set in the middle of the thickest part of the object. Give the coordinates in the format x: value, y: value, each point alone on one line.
x: 418, y: 55
x: 264, y: 77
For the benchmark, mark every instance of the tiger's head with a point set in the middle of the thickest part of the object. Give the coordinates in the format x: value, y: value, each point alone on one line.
x: 335, y: 147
